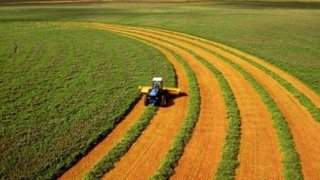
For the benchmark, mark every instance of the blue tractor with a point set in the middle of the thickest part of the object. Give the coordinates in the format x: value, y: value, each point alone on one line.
x: 157, y: 94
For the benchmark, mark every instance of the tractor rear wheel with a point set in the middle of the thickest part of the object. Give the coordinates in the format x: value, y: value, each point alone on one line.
x: 146, y: 101
x: 163, y: 100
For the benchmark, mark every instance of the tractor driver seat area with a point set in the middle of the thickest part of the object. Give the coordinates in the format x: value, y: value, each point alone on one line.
x: 156, y: 85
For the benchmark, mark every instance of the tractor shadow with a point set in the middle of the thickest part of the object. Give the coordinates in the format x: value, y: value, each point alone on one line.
x: 173, y: 98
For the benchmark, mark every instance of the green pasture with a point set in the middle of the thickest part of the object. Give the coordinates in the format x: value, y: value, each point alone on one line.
x: 63, y: 89
x: 286, y: 34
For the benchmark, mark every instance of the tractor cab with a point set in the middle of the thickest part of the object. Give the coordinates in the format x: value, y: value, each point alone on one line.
x: 155, y: 95
x: 157, y: 83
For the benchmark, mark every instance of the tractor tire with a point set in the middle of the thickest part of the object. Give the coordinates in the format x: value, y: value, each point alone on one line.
x: 146, y: 101
x: 163, y: 100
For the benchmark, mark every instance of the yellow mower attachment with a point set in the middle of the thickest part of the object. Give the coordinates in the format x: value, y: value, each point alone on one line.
x: 156, y: 94
x: 171, y: 90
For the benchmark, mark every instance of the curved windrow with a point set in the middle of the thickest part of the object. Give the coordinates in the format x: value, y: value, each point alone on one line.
x: 296, y: 119
x: 275, y: 90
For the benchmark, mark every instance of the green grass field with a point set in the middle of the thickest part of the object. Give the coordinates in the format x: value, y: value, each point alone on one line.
x: 284, y: 33
x: 63, y: 88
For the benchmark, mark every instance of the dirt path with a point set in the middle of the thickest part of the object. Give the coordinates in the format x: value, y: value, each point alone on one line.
x: 88, y: 161
x: 305, y: 129
x: 266, y: 160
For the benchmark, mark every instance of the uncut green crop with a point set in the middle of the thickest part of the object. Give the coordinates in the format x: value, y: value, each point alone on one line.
x: 291, y: 159
x: 170, y: 161
x: 63, y: 89
x: 106, y: 164
x: 285, y: 34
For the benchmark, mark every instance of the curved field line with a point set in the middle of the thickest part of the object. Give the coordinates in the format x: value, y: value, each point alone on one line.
x: 305, y: 96
x: 266, y: 163
x: 305, y: 130
x: 210, y: 91
x: 164, y: 115
x: 209, y: 88
x: 146, y: 153
x: 227, y: 50
x: 88, y: 161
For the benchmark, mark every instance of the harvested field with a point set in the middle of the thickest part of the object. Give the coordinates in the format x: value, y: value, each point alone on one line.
x: 70, y: 107
x: 255, y: 157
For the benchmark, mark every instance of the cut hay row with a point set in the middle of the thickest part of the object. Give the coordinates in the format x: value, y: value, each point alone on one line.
x: 297, y: 126
x: 313, y: 105
x: 241, y: 91
x: 204, y: 83
x: 296, y: 118
x: 145, y: 155
x: 291, y: 159
x: 305, y: 96
x: 169, y: 162
x: 292, y: 168
x: 257, y: 90
x: 227, y: 51
x: 87, y: 162
x: 107, y: 162
x: 229, y: 158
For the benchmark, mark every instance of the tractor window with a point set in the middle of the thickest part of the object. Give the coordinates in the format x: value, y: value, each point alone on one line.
x: 156, y: 84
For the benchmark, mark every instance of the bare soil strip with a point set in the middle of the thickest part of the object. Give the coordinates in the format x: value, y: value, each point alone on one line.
x: 266, y: 162
x: 305, y: 130
x: 221, y: 48
x: 88, y: 161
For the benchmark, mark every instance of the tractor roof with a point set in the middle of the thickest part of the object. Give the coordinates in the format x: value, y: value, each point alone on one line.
x: 157, y: 79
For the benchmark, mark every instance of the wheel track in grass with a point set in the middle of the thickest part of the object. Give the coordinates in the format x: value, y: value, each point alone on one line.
x: 254, y: 118
x: 304, y: 128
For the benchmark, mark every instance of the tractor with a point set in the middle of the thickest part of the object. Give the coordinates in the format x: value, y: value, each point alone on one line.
x: 156, y: 94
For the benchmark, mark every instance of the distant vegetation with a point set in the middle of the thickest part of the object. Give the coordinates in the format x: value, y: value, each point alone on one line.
x: 48, y: 1
x: 285, y: 33
x: 156, y: 1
